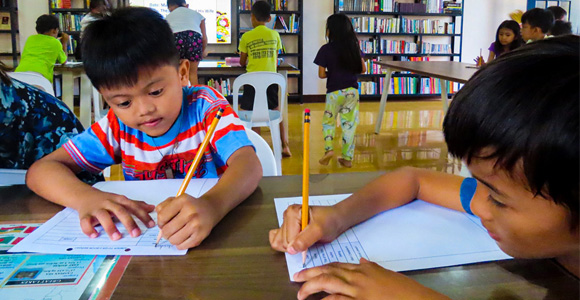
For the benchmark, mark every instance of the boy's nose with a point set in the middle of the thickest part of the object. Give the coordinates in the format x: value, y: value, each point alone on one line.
x: 481, y: 208
x: 146, y: 108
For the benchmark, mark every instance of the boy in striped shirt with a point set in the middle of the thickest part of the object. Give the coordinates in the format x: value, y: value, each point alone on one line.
x: 154, y: 129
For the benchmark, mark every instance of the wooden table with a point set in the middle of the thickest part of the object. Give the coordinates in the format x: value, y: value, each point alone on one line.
x: 236, y: 262
x: 444, y: 70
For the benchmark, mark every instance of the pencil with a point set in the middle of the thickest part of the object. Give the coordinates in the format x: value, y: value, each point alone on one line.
x: 196, y: 159
x: 305, y: 176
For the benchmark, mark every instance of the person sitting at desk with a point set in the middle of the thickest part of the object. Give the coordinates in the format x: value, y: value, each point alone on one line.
x: 42, y: 50
x: 518, y: 134
x: 154, y: 128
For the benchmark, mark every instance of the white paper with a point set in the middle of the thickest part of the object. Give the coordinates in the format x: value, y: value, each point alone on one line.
x: 62, y: 234
x: 12, y: 176
x: 415, y: 236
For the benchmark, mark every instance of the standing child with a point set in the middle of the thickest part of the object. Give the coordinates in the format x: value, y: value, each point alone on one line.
x: 340, y: 61
x: 259, y: 52
x: 190, y: 38
x: 507, y: 38
x: 518, y: 134
x: 536, y: 23
x: 154, y: 128
x: 43, y: 50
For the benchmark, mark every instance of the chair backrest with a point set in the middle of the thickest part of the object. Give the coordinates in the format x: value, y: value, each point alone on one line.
x: 98, y: 110
x: 260, y: 81
x: 264, y: 152
x: 35, y: 79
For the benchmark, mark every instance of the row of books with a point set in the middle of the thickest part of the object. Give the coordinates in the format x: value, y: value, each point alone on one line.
x: 423, y: 6
x: 72, y: 45
x: 426, y: 26
x: 433, y: 86
x: 276, y: 4
x: 376, y: 25
x: 221, y: 85
x: 401, y: 25
x: 407, y: 86
x: 69, y: 22
x: 380, y: 46
x: 429, y: 48
x: 64, y: 3
x: 293, y: 22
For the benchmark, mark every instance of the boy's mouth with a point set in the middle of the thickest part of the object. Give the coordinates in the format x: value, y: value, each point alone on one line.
x: 152, y: 122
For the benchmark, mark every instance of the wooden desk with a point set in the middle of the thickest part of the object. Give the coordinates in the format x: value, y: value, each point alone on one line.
x: 236, y: 262
x: 444, y: 70
x: 69, y: 72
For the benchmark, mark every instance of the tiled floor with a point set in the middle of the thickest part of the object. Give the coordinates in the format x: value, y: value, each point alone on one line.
x: 410, y: 136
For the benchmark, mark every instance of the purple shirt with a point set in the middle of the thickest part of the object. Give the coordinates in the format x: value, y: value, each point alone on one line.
x: 492, y: 48
x: 338, y: 77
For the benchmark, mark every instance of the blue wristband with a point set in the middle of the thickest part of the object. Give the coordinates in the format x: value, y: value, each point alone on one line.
x: 466, y: 193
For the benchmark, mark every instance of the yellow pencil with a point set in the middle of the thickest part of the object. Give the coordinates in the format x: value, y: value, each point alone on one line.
x: 305, y: 175
x: 196, y: 159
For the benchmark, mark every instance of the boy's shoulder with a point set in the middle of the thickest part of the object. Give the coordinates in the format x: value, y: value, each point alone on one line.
x: 203, y: 95
x: 260, y: 31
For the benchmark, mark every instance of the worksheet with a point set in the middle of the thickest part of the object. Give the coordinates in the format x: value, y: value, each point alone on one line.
x: 415, y: 236
x: 62, y: 234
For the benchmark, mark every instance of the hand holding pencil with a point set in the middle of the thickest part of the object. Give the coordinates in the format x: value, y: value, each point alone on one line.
x: 186, y: 220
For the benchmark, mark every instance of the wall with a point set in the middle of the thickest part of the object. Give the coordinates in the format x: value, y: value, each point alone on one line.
x: 315, y: 14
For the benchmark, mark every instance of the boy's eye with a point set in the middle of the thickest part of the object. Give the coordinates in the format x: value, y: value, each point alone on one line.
x: 156, y: 92
x: 495, y: 202
x: 124, y: 104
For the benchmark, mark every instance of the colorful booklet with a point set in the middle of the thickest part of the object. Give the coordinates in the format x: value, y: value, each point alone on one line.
x: 54, y: 276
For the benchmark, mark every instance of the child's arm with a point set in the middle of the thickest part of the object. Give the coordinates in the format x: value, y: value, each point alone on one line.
x: 243, y: 59
x: 186, y: 221
x: 364, y: 66
x: 203, y: 39
x: 387, y: 192
x: 53, y: 178
x: 490, y: 57
x: 64, y: 41
x: 321, y: 72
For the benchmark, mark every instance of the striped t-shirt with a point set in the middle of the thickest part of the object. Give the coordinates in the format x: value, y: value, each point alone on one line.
x: 109, y: 141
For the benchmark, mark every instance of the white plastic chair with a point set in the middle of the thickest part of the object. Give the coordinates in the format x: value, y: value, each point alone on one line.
x: 261, y: 116
x: 35, y: 79
x: 264, y: 153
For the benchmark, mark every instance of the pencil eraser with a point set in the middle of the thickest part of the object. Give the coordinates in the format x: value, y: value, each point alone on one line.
x: 307, y: 110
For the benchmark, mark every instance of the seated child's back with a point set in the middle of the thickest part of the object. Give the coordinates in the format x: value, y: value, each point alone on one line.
x: 43, y: 50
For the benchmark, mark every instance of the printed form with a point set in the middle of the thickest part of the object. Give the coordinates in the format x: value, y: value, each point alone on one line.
x: 62, y: 234
x: 415, y: 236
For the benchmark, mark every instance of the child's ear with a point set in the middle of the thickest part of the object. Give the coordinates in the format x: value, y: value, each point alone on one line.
x: 269, y: 19
x: 183, y: 71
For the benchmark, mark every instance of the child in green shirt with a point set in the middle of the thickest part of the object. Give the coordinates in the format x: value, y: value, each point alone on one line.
x: 259, y: 52
x: 42, y: 50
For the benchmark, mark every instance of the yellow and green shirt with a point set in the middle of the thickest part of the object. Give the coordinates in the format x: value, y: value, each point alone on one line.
x: 262, y: 45
x: 40, y: 53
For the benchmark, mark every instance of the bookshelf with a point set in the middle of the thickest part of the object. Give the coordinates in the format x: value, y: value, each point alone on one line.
x: 288, y: 13
x: 415, y: 30
x: 69, y: 14
x: 9, y: 29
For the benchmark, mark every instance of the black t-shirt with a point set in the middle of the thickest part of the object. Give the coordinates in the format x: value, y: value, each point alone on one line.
x: 338, y: 77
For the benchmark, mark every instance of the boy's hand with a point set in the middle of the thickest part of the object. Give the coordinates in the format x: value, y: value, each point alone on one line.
x: 186, y: 221
x: 366, y: 280
x: 101, y: 207
x: 324, y: 226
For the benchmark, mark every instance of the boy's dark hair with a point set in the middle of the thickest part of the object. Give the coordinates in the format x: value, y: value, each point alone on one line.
x: 118, y: 47
x: 45, y: 23
x: 558, y: 12
x: 176, y: 2
x: 526, y: 120
x: 96, y: 3
x: 341, y: 33
x: 261, y: 10
x: 517, y: 42
x: 3, y: 74
x: 537, y: 17
x: 561, y: 28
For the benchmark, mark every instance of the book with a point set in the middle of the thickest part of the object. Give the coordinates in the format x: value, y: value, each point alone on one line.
x: 5, y: 21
